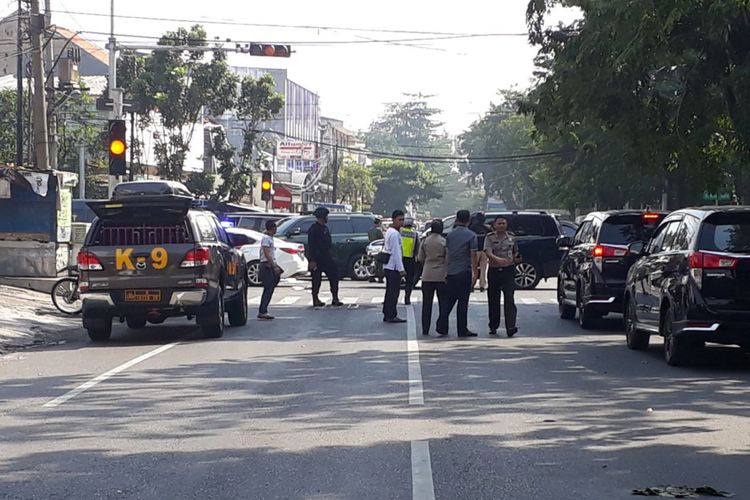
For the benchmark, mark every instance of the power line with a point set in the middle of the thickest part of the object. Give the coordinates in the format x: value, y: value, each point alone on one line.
x: 227, y: 22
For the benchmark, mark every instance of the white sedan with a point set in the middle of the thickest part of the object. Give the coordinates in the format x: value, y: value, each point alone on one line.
x: 289, y: 256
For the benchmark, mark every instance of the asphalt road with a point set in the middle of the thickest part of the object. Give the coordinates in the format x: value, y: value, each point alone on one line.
x: 335, y: 404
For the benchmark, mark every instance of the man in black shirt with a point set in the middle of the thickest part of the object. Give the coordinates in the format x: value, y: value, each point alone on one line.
x: 319, y: 256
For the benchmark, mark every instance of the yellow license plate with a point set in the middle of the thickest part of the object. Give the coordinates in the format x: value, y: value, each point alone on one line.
x: 142, y: 295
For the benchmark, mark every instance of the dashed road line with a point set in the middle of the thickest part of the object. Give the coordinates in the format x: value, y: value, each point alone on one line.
x: 416, y: 390
x: 106, y: 375
x: 421, y: 471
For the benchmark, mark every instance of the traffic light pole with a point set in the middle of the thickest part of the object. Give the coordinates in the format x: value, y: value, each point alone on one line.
x: 114, y: 93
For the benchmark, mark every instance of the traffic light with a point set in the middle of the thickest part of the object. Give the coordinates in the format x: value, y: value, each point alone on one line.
x: 267, y: 50
x: 116, y: 146
x: 266, y: 185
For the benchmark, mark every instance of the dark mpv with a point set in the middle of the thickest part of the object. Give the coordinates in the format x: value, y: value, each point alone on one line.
x: 594, y: 267
x: 692, y: 284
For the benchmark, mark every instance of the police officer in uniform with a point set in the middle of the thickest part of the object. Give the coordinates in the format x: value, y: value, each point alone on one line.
x: 320, y: 259
x: 502, y: 255
x: 410, y: 247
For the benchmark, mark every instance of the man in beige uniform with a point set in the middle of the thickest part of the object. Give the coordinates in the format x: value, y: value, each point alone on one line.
x: 502, y: 253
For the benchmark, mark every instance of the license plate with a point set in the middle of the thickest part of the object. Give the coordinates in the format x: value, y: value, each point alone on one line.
x: 142, y: 295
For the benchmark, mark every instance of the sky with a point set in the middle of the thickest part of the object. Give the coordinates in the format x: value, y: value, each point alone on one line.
x: 354, y: 77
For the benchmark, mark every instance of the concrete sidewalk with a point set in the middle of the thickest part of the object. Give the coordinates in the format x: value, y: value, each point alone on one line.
x: 29, y: 318
x: 38, y: 284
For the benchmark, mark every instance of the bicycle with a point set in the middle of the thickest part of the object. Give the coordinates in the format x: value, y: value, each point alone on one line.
x: 65, y: 293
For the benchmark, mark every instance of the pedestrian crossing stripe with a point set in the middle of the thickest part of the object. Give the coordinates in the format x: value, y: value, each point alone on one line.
x: 290, y: 300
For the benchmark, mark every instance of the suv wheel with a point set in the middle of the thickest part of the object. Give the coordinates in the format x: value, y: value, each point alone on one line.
x: 253, y: 273
x: 211, y: 317
x: 237, y: 310
x: 566, y: 311
x: 359, y: 267
x: 637, y: 340
x: 99, y: 330
x: 585, y: 318
x: 676, y: 349
x: 528, y: 276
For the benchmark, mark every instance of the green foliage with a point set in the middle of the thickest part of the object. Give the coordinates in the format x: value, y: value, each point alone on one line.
x: 179, y: 85
x: 654, y: 91
x: 356, y: 185
x: 400, y: 182
x: 410, y: 128
x: 257, y: 102
x: 201, y: 184
x: 7, y: 126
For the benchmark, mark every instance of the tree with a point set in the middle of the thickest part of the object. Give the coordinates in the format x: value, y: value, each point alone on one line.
x: 179, y: 85
x: 400, y: 183
x: 201, y: 184
x: 410, y: 128
x: 7, y: 126
x: 658, y: 91
x: 356, y: 185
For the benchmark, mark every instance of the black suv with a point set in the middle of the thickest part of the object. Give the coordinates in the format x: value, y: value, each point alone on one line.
x: 593, y: 269
x: 536, y: 234
x: 692, y: 284
x: 349, y: 238
x: 149, y: 256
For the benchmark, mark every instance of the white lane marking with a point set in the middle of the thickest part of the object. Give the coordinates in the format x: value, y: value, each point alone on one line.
x: 529, y: 301
x: 254, y: 301
x: 106, y: 375
x: 349, y: 300
x: 416, y: 390
x: 553, y: 301
x: 377, y: 300
x: 421, y: 471
x: 287, y: 301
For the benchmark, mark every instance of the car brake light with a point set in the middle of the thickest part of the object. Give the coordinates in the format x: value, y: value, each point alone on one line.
x: 292, y: 251
x: 700, y: 261
x: 609, y: 251
x: 197, y: 257
x: 87, y: 261
x: 651, y: 217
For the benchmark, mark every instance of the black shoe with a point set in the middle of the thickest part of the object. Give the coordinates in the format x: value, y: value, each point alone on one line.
x: 493, y: 332
x: 407, y: 302
x: 467, y: 333
x: 265, y: 316
x: 395, y: 320
x: 442, y: 334
x: 337, y: 303
x: 425, y: 333
x: 512, y: 331
x: 318, y: 303
x: 481, y: 289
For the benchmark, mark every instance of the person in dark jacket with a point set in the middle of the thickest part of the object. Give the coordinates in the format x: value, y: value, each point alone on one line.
x: 320, y: 259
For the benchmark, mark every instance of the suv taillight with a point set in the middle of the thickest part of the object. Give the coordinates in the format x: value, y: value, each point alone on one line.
x: 292, y: 251
x: 198, y: 257
x: 700, y: 261
x: 87, y: 261
x: 601, y: 251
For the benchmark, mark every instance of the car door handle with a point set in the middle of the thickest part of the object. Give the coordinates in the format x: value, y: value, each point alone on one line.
x: 350, y: 240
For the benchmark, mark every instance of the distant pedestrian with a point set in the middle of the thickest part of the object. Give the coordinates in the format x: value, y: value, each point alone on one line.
x: 374, y: 234
x: 394, y: 269
x: 479, y: 226
x: 410, y: 247
x: 502, y: 252
x: 433, y: 254
x: 461, y: 243
x: 270, y: 272
x: 320, y: 259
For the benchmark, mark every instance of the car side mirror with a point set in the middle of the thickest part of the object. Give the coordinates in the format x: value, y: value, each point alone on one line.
x: 637, y: 249
x: 564, y: 242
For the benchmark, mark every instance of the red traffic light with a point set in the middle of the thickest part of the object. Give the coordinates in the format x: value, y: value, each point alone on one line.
x: 268, y: 50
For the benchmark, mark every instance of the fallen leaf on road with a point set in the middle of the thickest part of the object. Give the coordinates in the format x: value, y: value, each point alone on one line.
x: 681, y: 492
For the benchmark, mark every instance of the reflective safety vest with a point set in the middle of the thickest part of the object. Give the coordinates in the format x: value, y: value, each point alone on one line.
x: 408, y: 242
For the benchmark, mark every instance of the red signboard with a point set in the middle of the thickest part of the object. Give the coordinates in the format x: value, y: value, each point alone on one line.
x: 282, y: 198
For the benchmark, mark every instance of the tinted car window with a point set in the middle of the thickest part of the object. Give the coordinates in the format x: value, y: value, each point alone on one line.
x: 340, y: 226
x: 289, y: 226
x: 726, y: 233
x: 237, y: 239
x: 533, y: 225
x: 583, y: 232
x: 671, y: 242
x: 626, y: 229
x: 205, y: 228
x: 568, y: 230
x: 362, y: 224
x: 248, y: 223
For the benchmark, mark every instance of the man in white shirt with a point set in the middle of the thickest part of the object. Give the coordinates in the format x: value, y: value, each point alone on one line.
x: 394, y: 269
x: 270, y: 272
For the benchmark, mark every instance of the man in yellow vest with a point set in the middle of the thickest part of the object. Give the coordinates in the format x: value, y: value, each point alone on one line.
x: 410, y: 247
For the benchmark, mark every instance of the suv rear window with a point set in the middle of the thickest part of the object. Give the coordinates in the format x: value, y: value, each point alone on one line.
x: 114, y: 233
x: 529, y: 224
x: 627, y: 229
x: 726, y: 232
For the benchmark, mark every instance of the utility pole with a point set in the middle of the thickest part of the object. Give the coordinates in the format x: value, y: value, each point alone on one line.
x: 19, y: 87
x: 49, y: 60
x: 40, y: 99
x: 335, y: 182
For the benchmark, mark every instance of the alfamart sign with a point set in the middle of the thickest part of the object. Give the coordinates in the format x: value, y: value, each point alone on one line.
x: 295, y: 150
